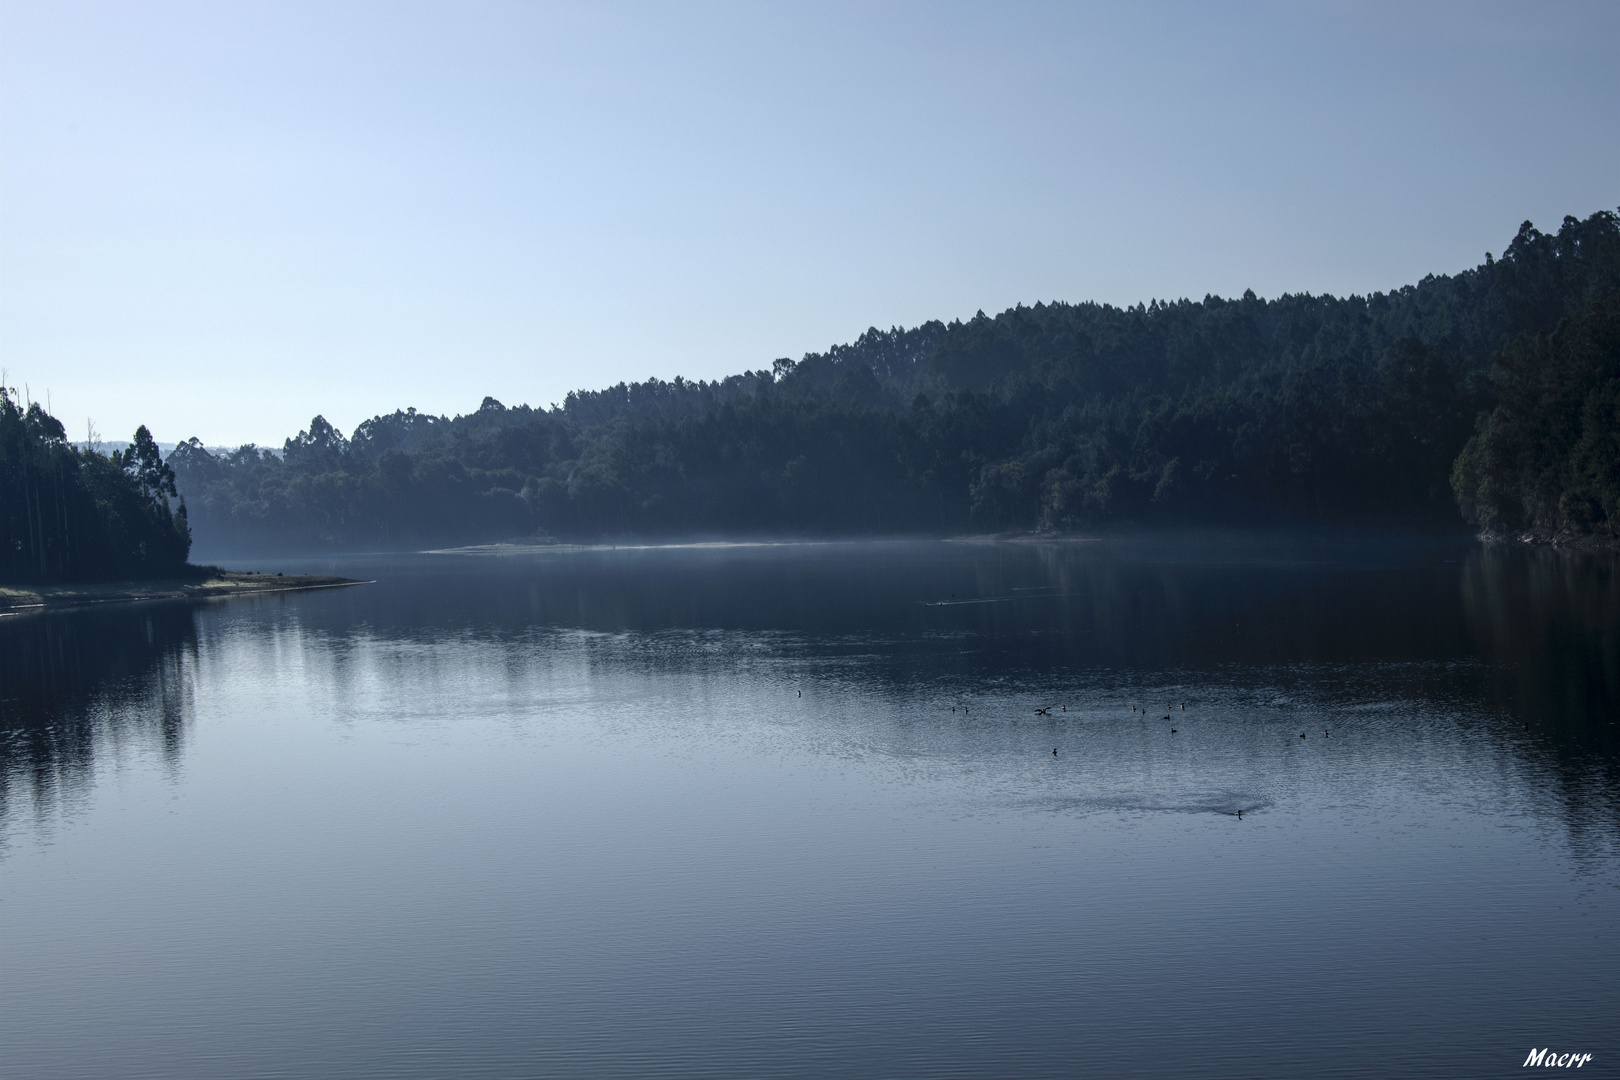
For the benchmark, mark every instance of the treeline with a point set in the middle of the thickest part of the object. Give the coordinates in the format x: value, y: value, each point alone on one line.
x: 69, y: 514
x: 1546, y: 460
x: 1056, y: 416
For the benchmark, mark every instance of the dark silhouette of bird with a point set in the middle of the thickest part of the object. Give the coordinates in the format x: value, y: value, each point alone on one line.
x: 1240, y: 815
x: 1054, y: 751
x: 1325, y: 734
x: 801, y: 693
x: 1302, y: 734
x: 1172, y: 730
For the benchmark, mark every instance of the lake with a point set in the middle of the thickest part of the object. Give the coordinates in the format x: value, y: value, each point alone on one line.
x: 793, y: 810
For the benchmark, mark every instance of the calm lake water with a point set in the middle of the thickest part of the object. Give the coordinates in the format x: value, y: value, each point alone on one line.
x: 792, y: 811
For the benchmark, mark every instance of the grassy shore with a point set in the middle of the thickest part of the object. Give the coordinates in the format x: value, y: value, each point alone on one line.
x: 206, y: 583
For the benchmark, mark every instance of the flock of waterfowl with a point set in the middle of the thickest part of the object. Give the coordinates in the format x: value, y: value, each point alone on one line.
x: 1046, y: 710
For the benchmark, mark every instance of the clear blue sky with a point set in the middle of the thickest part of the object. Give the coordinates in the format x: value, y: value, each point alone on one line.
x: 222, y: 218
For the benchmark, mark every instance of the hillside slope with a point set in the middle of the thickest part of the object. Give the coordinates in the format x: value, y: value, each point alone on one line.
x: 1057, y: 416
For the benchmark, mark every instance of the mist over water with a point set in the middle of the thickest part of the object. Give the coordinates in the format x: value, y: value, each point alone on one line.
x: 793, y: 810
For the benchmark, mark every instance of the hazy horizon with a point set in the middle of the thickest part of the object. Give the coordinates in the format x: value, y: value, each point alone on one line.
x: 220, y: 222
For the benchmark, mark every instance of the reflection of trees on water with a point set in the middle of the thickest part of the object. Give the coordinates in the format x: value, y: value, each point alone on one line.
x: 1162, y: 600
x: 74, y: 686
x: 1549, y: 622
x: 1459, y: 634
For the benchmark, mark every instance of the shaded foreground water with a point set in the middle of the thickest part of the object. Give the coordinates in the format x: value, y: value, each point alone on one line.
x: 792, y: 811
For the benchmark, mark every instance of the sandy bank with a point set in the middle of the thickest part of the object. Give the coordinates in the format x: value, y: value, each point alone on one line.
x: 23, y: 599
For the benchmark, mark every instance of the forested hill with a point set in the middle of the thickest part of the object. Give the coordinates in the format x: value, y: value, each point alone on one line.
x: 1056, y: 416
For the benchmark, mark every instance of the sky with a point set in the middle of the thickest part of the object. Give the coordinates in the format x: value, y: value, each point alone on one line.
x: 222, y: 219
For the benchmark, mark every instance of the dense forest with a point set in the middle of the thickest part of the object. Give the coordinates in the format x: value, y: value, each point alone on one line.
x: 75, y: 514
x: 1546, y: 459
x: 1057, y: 416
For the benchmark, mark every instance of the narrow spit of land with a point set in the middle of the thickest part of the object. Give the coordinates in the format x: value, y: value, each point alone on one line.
x: 208, y: 583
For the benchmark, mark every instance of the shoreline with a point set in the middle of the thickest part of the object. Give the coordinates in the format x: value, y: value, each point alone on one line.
x: 1021, y: 538
x: 218, y: 584
x: 1558, y: 542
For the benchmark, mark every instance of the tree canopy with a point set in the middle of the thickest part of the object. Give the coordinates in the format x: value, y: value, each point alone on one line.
x: 68, y: 513
x: 1053, y: 416
x: 1546, y: 459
